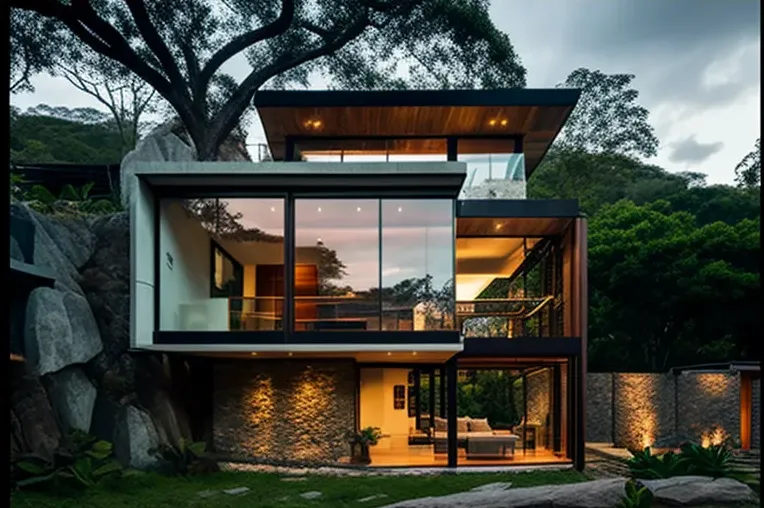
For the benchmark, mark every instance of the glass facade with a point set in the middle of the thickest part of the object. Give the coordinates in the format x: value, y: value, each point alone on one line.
x: 371, y: 150
x: 336, y: 264
x: 221, y: 264
x: 417, y: 265
x: 374, y: 265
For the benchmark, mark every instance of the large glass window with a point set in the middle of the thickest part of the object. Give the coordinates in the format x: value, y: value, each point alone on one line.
x: 337, y: 264
x: 221, y: 264
x: 417, y: 265
x: 372, y: 150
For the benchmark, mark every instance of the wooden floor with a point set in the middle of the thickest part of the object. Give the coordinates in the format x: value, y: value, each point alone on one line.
x: 422, y: 455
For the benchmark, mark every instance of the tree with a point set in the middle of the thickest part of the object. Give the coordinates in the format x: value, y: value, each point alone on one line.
x: 608, y: 118
x: 33, y: 39
x: 748, y: 170
x: 178, y: 47
x: 666, y: 292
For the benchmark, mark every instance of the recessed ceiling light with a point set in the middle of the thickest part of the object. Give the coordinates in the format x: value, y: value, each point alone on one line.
x: 290, y: 353
x: 253, y: 354
x: 498, y: 226
x: 389, y: 354
x: 492, y: 122
x: 358, y: 209
x: 504, y: 122
x: 273, y: 209
x: 400, y: 209
x: 414, y: 353
x: 319, y: 208
x: 319, y: 240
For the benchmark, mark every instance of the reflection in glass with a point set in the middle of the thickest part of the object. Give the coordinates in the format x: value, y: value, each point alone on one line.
x: 417, y: 265
x: 337, y: 264
x: 372, y: 150
x: 237, y: 284
x: 493, y: 169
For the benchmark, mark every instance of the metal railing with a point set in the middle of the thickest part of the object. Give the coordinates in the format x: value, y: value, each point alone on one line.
x: 505, y: 317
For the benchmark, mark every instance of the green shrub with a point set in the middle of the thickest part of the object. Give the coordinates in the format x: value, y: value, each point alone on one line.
x: 644, y: 465
x: 83, y: 461
x: 636, y: 497
x: 712, y: 461
x: 186, y: 458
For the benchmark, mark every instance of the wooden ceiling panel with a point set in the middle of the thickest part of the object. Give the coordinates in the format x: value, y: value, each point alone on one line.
x: 523, y: 227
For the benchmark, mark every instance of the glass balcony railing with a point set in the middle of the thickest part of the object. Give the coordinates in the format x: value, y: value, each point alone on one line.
x: 262, y: 313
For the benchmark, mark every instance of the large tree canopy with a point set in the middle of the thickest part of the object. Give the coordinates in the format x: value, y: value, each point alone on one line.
x: 748, y: 170
x: 608, y: 118
x: 179, y: 48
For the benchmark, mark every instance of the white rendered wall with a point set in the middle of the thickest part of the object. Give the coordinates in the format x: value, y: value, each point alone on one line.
x: 377, y: 408
x: 184, y: 259
x: 141, y: 265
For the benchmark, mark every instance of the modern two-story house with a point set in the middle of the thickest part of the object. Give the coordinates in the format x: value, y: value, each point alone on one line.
x: 383, y: 270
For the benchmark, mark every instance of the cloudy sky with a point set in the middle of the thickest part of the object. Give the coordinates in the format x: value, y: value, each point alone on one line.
x: 696, y: 64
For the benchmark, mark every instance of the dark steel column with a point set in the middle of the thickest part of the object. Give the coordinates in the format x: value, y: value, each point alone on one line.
x: 451, y: 375
x: 287, y: 323
x: 451, y: 149
x: 442, y: 392
x: 418, y: 396
x: 431, y: 375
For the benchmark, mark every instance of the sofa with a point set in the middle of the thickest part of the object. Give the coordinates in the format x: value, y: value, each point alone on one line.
x: 475, y: 436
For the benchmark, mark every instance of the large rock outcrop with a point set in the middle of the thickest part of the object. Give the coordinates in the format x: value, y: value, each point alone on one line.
x: 72, y: 396
x: 60, y: 330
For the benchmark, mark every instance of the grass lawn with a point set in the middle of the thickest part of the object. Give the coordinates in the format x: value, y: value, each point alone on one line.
x: 267, y: 490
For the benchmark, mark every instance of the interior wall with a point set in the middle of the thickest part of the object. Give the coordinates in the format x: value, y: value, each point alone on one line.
x: 142, y: 284
x: 184, y: 259
x: 376, y: 405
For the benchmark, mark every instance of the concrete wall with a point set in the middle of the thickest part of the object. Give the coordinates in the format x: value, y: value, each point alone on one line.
x: 756, y: 414
x: 638, y: 410
x: 141, y: 264
x: 284, y: 410
x: 184, y: 264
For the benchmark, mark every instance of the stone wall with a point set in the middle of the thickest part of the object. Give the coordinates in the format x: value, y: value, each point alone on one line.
x: 284, y: 410
x: 756, y: 414
x: 599, y: 408
x: 643, y: 409
x: 539, y: 391
x: 662, y: 410
x: 706, y: 401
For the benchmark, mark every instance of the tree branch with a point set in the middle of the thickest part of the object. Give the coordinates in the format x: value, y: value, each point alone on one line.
x: 226, y: 118
x: 242, y: 42
x: 155, y: 43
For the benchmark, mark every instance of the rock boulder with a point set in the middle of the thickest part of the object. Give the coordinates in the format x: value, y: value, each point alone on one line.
x: 134, y: 438
x: 60, y: 330
x: 592, y: 494
x: 33, y: 423
x: 699, y: 491
x: 72, y: 396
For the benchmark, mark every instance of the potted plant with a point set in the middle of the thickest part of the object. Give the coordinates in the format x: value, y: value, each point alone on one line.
x: 360, y: 442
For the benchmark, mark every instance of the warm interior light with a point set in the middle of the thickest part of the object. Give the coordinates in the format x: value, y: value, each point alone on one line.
x: 389, y: 354
x: 290, y: 353
x: 319, y: 208
x: 498, y: 226
x: 414, y: 353
x: 253, y: 354
x: 318, y: 240
x: 358, y: 209
x: 313, y: 124
x: 504, y: 122
x: 492, y: 122
x: 400, y: 209
x: 273, y: 209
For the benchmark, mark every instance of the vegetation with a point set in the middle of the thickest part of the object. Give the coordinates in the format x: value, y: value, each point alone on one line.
x: 61, y: 135
x: 185, y: 459
x: 178, y: 48
x: 84, y: 461
x: 693, y: 459
x: 636, y: 497
x: 71, y: 201
x: 269, y: 491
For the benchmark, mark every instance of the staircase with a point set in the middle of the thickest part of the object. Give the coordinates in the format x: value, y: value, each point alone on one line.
x: 747, y: 462
x: 601, y: 464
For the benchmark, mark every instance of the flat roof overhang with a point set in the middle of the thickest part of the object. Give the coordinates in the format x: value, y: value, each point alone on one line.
x: 425, y: 179
x: 500, y: 218
x: 535, y: 115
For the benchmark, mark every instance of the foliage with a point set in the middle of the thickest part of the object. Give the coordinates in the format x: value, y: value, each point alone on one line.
x: 664, y: 290
x: 492, y: 394
x: 32, y: 41
x: 178, y: 47
x: 187, y: 458
x: 636, y: 497
x: 368, y: 436
x: 608, y: 118
x: 71, y: 201
x: 51, y: 135
x: 644, y: 465
x: 84, y: 461
x: 748, y: 170
x: 713, y: 461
